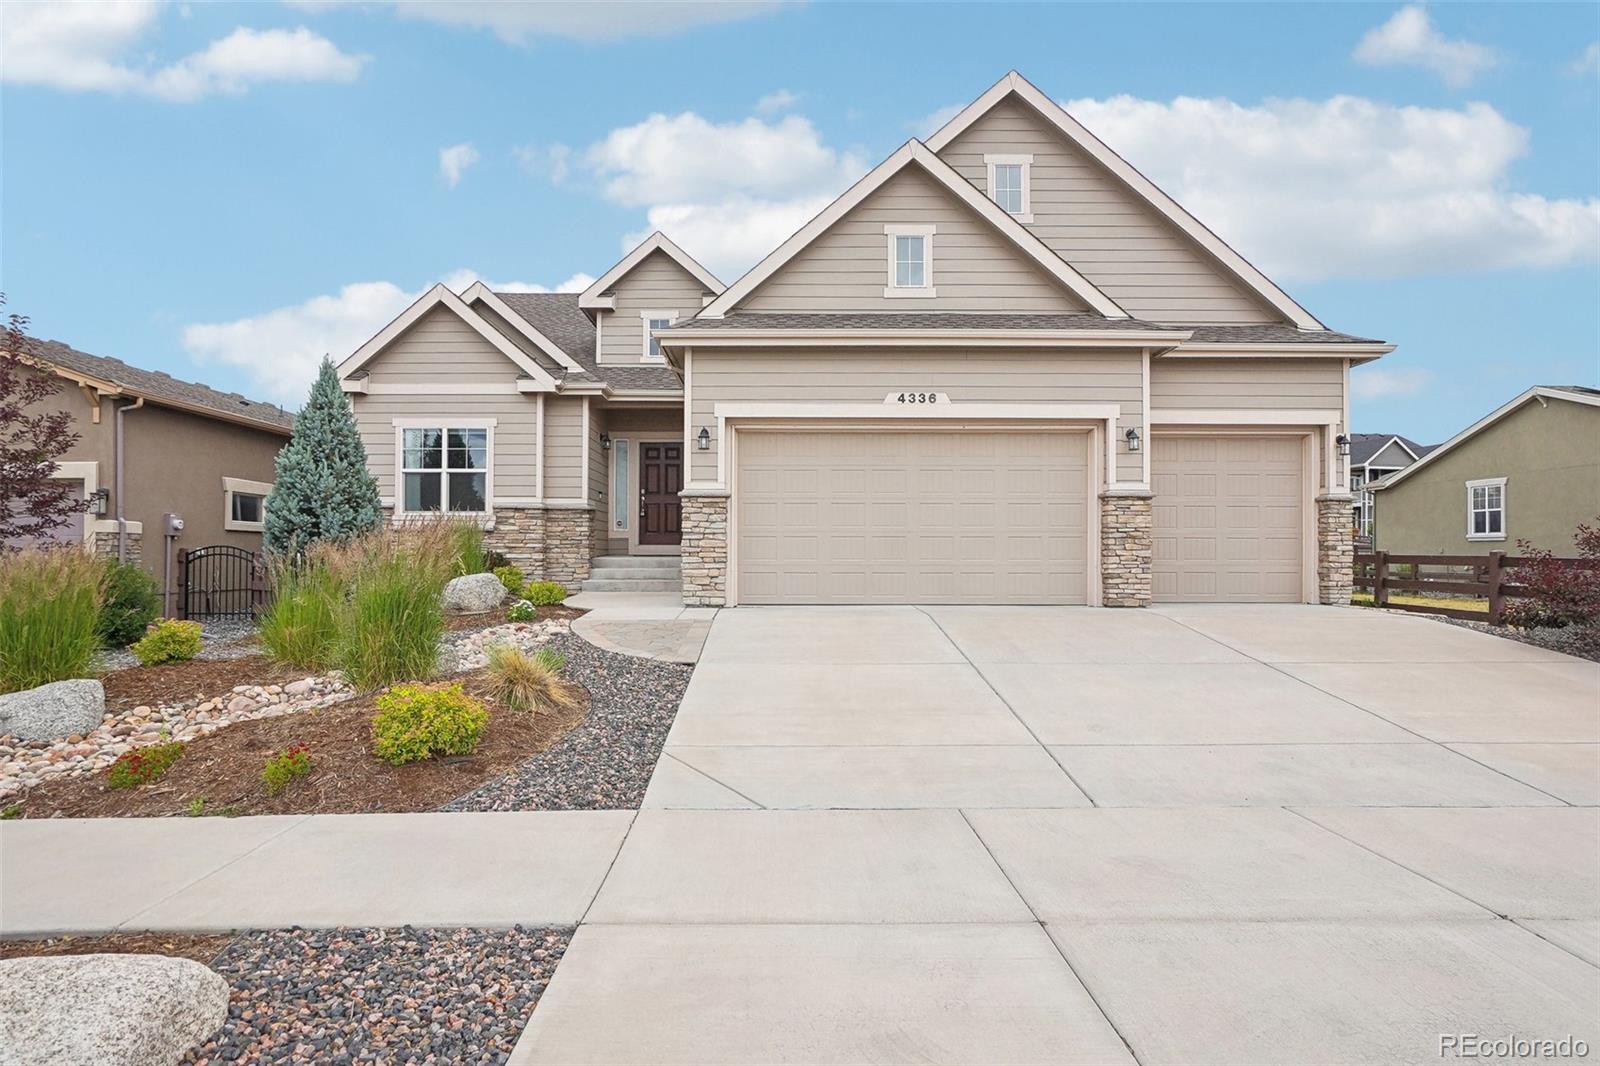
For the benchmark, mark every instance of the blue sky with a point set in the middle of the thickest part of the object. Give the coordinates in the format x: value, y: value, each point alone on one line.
x: 225, y: 191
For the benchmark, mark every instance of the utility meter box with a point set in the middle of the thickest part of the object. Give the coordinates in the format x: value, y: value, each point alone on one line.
x: 173, y: 524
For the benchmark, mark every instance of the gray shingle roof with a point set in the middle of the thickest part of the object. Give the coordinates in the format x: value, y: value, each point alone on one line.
x: 1272, y: 333
x: 157, y: 386
x: 1363, y: 446
x: 917, y: 320
x: 557, y: 316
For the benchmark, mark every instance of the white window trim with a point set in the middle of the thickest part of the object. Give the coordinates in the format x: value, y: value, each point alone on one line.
x: 925, y: 291
x: 1484, y: 483
x: 443, y: 423
x: 619, y: 481
x: 231, y: 485
x: 644, y: 339
x: 1026, y: 163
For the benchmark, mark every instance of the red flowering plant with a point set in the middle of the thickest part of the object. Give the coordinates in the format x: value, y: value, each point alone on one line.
x: 143, y: 765
x: 286, y: 767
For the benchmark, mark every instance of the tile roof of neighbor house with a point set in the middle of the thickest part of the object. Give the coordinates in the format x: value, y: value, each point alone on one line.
x: 1363, y: 446
x: 917, y: 320
x: 557, y: 316
x: 159, y: 387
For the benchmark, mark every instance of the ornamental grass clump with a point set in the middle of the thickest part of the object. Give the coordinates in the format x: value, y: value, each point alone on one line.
x: 393, y: 618
x: 302, y: 624
x: 285, y: 768
x: 49, y: 612
x: 168, y: 641
x: 531, y: 683
x: 466, y: 546
x: 415, y: 722
x: 143, y: 765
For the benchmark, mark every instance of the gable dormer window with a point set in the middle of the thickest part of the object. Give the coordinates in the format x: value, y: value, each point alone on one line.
x: 654, y: 320
x: 1010, y: 178
x: 910, y: 261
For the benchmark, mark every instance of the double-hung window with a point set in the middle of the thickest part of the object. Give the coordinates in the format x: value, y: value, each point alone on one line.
x: 1009, y: 181
x: 1486, y: 509
x: 910, y: 261
x: 445, y: 469
x: 654, y: 320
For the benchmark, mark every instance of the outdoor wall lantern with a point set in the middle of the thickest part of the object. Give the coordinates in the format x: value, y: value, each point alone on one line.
x: 1132, y: 437
x: 1343, y: 443
x: 605, y: 441
x: 99, y: 502
x: 704, y: 439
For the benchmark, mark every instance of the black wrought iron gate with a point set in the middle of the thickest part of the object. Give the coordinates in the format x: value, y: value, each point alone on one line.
x: 221, y: 581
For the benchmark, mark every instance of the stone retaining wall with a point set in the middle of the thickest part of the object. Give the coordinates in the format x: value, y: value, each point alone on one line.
x: 1126, y: 528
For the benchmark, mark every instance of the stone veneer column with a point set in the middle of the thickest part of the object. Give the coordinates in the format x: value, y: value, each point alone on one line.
x: 704, y: 558
x: 1335, y: 548
x: 568, y: 544
x: 106, y: 544
x: 518, y: 533
x: 1126, y: 526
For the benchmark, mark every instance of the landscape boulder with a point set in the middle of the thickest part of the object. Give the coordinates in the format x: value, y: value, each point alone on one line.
x: 50, y: 712
x: 110, y: 1010
x: 474, y: 593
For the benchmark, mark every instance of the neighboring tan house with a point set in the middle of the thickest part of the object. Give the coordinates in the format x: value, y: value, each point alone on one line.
x: 149, y: 445
x: 1528, y: 471
x: 1372, y: 456
x: 1003, y: 367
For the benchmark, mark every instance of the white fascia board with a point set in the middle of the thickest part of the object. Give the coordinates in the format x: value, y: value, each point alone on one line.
x: 923, y: 338
x: 964, y: 190
x: 1124, y: 171
x: 480, y: 291
x: 440, y: 295
x: 592, y: 299
x: 1535, y: 393
x: 1216, y: 349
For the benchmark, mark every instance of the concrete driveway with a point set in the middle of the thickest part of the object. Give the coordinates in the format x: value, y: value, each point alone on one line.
x: 1038, y: 835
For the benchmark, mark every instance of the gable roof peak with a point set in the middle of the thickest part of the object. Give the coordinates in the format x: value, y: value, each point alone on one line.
x: 594, y: 299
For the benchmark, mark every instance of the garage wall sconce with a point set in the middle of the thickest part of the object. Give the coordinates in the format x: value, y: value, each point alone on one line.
x: 1131, y: 435
x: 99, y: 502
x: 703, y: 441
x: 1343, y: 443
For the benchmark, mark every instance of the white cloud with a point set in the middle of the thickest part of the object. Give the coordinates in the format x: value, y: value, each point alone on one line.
x: 1385, y: 383
x: 1409, y: 38
x: 552, y: 163
x: 518, y: 21
x: 1349, y: 187
x: 279, y: 350
x: 731, y: 235
x: 454, y: 161
x: 774, y: 102
x: 1587, y: 63
x: 83, y: 48
x: 928, y: 124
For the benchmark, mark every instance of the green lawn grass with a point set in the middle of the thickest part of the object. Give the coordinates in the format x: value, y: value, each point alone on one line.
x: 1402, y: 599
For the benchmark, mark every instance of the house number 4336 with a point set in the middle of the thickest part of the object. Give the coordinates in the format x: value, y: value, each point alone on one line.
x: 916, y: 398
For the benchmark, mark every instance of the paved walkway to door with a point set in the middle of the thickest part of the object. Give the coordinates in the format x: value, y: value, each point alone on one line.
x: 1038, y: 835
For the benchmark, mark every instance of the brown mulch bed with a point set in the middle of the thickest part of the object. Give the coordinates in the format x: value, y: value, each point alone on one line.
x: 496, y: 617
x: 201, y: 947
x: 224, y: 769
x: 198, y: 678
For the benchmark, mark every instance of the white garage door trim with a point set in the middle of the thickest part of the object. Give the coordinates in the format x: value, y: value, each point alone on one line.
x: 1309, y: 470
x: 731, y: 422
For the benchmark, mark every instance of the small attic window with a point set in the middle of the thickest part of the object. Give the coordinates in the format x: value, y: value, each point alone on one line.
x: 654, y: 320
x: 910, y: 261
x: 1010, y: 181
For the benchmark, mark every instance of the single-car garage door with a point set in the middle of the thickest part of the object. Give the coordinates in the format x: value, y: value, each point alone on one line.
x: 923, y: 516
x: 1228, y: 518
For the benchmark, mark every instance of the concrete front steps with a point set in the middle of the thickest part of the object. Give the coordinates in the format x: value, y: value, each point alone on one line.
x: 634, y: 573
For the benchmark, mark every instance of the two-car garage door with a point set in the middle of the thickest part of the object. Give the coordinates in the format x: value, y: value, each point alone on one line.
x: 918, y: 516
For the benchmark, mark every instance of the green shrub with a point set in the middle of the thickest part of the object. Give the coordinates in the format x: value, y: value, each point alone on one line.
x: 511, y: 578
x: 143, y: 765
x: 301, y: 626
x: 168, y: 641
x: 8, y: 813
x: 49, y: 609
x: 466, y: 547
x: 532, y: 683
x: 415, y: 721
x: 130, y: 601
x: 493, y: 560
x: 522, y: 611
x: 544, y: 593
x: 286, y: 767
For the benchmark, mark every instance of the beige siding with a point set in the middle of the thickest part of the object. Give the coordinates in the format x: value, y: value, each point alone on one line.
x: 1109, y: 233
x: 441, y: 347
x: 512, y: 334
x: 658, y: 283
x: 599, y: 469
x: 563, y: 435
x: 865, y: 377
x: 1247, y: 384
x: 975, y: 268
x: 514, y: 436
x: 1392, y: 457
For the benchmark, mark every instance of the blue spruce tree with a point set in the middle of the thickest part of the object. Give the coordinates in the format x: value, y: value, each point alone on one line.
x: 323, y: 490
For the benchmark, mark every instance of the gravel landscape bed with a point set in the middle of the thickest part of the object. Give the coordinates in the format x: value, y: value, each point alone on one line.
x: 606, y: 762
x: 359, y: 995
x: 1566, y: 641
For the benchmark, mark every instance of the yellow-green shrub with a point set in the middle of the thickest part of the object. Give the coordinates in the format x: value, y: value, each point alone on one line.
x: 544, y: 593
x: 416, y: 721
x: 512, y: 579
x: 168, y: 641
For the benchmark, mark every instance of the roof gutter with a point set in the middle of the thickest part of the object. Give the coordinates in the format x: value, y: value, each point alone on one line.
x: 1164, y: 340
x: 122, y: 520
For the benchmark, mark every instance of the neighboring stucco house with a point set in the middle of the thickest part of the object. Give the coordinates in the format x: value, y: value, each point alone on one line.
x: 1372, y: 456
x: 1003, y: 367
x: 1527, y: 471
x: 149, y: 445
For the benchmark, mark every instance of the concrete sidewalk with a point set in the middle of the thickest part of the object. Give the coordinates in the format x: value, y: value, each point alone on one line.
x: 646, y: 625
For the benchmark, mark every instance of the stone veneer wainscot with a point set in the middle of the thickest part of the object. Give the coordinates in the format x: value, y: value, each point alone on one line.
x: 1126, y: 528
x: 704, y: 559
x: 1335, y: 549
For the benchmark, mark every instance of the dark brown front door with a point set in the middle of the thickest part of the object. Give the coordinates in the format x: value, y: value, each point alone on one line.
x: 660, y: 481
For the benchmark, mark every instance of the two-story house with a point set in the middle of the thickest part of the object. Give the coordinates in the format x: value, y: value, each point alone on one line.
x: 1002, y: 367
x: 1372, y: 456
